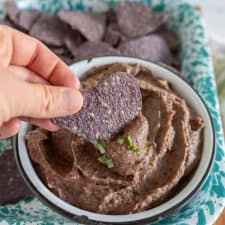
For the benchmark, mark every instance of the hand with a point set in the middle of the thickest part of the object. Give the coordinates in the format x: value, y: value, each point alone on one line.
x: 28, y: 71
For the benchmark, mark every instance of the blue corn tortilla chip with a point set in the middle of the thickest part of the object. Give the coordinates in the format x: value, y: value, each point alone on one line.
x: 12, y: 186
x: 12, y: 11
x: 136, y: 19
x: 111, y: 16
x: 7, y: 22
x: 169, y: 37
x: 59, y: 51
x: 49, y: 29
x: 112, y: 34
x: 66, y: 59
x: 63, y: 53
x: 152, y: 47
x: 22, y: 19
x: 72, y: 40
x: 176, y: 62
x: 90, y: 25
x: 107, y: 108
x: 27, y: 18
x: 93, y: 49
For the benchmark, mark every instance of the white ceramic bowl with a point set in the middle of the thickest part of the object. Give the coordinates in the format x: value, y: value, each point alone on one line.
x: 196, y: 182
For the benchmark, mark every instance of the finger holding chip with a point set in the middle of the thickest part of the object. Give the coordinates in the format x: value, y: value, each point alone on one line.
x: 20, y: 49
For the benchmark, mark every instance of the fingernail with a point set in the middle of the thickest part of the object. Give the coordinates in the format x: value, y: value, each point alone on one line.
x: 72, y: 100
x: 77, y: 84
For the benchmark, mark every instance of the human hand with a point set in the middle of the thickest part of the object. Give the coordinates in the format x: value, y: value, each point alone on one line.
x: 28, y: 71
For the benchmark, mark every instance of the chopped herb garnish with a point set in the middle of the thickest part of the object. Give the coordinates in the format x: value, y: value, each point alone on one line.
x: 100, y: 146
x: 146, y: 145
x: 106, y: 160
x: 121, y: 141
x: 134, y: 149
x: 129, y: 140
x: 131, y: 146
x: 128, y: 143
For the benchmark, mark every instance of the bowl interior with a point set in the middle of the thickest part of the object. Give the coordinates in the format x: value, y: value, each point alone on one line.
x: 200, y: 175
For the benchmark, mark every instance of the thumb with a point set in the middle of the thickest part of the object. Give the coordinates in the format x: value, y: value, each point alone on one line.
x: 45, y: 101
x: 21, y: 98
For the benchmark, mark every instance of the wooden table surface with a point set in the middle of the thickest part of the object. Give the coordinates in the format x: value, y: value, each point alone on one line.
x: 221, y: 219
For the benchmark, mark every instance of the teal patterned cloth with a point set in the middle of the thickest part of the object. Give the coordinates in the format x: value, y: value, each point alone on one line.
x: 218, y: 52
x: 197, y: 68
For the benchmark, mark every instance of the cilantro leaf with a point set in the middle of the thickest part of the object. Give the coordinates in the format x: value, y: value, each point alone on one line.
x: 106, y: 160
x: 100, y: 146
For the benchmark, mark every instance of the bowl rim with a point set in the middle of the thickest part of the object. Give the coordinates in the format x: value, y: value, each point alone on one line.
x: 160, y: 215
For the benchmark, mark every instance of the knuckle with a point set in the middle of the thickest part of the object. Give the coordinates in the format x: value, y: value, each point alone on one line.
x: 5, y: 110
x: 48, y: 100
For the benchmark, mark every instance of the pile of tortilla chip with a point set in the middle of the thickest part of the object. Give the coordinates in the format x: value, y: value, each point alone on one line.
x: 12, y: 186
x: 129, y: 29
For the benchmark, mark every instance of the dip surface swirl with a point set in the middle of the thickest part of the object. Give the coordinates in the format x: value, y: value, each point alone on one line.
x: 149, y: 158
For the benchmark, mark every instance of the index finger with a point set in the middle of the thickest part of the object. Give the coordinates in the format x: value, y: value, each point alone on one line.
x: 17, y: 48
